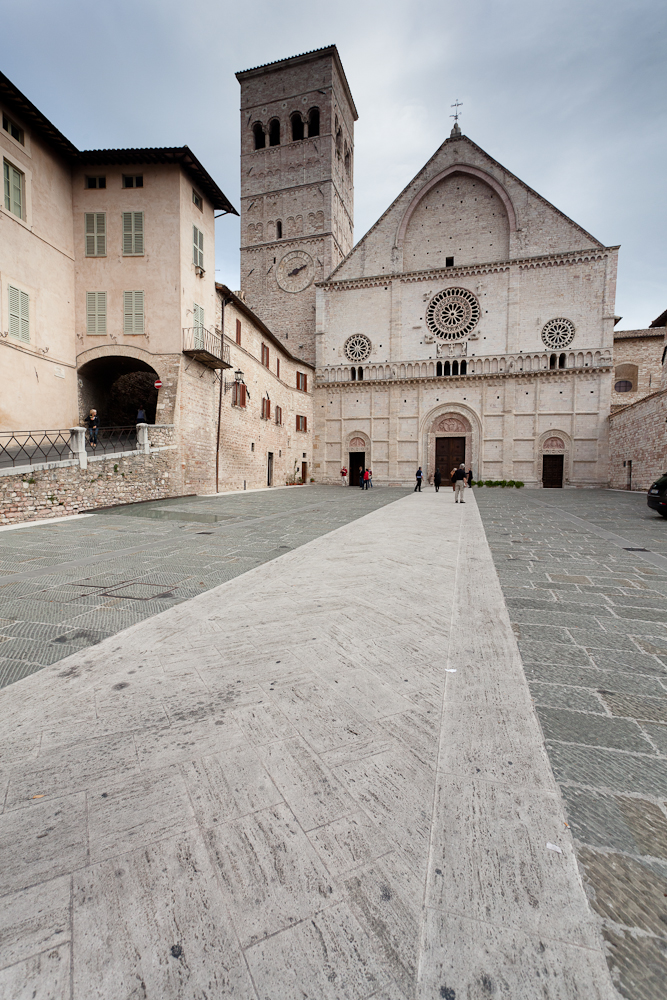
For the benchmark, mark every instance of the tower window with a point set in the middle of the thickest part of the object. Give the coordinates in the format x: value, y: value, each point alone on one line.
x: 449, y: 262
x: 279, y: 230
x: 339, y: 142
x: 297, y: 126
x: 314, y: 121
x: 562, y: 361
x: 438, y: 368
x: 274, y: 132
x: 348, y: 160
x: 260, y: 137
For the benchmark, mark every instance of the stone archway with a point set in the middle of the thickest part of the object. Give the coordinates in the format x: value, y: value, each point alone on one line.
x: 116, y: 386
x: 554, y: 443
x: 449, y: 424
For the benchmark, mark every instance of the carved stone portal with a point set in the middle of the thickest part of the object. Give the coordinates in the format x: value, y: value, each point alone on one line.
x: 357, y: 444
x: 554, y: 444
x: 450, y: 425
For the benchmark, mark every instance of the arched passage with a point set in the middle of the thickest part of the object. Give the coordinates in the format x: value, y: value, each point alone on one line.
x: 116, y: 386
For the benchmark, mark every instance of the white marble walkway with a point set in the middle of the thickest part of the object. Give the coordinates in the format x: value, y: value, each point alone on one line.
x: 324, y: 779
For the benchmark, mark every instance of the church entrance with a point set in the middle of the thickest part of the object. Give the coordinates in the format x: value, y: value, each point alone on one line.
x: 552, y: 472
x: 357, y: 465
x: 449, y: 453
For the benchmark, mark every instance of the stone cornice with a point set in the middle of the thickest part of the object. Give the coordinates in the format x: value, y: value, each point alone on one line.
x: 438, y: 274
x: 490, y: 378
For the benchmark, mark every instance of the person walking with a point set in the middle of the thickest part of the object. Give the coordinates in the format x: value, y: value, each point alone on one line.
x: 459, y: 483
x: 419, y: 475
x: 451, y: 477
x: 361, y: 479
x: 437, y: 479
x: 141, y: 415
x: 469, y: 477
x: 93, y: 428
x: 366, y: 479
x: 343, y: 476
x: 370, y: 479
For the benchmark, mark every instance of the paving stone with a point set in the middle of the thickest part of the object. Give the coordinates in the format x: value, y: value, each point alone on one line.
x: 609, y: 769
x: 41, y: 977
x: 658, y: 735
x: 33, y: 921
x: 592, y: 730
x: 626, y: 892
x: 43, y: 843
x: 622, y: 660
x: 638, y: 963
x: 542, y: 652
x: 635, y: 707
x: 558, y: 696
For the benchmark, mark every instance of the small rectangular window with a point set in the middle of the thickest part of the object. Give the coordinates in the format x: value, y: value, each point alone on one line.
x: 266, y: 408
x: 133, y: 180
x: 14, y: 130
x: 279, y: 414
x: 96, y: 182
x: 278, y: 367
x: 133, y: 234
x: 265, y: 355
x: 238, y: 331
x: 301, y: 423
x: 449, y: 262
x: 197, y: 200
x: 239, y: 394
x: 133, y: 312
x: 14, y: 189
x: 301, y: 381
x: 96, y: 234
x: 197, y: 247
x: 96, y: 313
x: 19, y: 314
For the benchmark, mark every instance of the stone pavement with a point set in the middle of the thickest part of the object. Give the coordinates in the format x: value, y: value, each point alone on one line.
x: 323, y: 779
x: 67, y: 585
x: 591, y: 619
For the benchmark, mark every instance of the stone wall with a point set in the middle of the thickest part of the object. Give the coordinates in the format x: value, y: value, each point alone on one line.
x: 66, y: 488
x: 638, y: 435
x: 640, y: 349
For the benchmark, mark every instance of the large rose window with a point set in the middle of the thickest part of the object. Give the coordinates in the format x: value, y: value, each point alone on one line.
x: 452, y: 314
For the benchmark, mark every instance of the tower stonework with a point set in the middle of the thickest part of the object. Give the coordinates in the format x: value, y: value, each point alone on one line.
x: 297, y: 193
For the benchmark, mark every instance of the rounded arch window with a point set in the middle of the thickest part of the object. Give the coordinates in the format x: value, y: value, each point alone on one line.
x: 558, y: 333
x: 314, y: 121
x: 259, y: 135
x: 453, y: 313
x: 274, y: 132
x: 623, y: 385
x: 296, y: 121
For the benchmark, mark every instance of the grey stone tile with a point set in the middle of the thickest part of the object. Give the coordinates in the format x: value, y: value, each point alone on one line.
x: 35, y: 650
x: 558, y: 696
x: 329, y: 957
x: 609, y: 769
x: 49, y: 840
x: 137, y: 811
x: 348, y: 843
x: 536, y: 632
x: 263, y: 722
x: 158, y: 748
x: 163, y: 912
x: 41, y: 977
x: 266, y: 858
x: 593, y: 677
x: 592, y: 730
x: 329, y: 722
x: 597, y: 820
x: 658, y: 736
x: 626, y: 892
x: 34, y: 920
x: 419, y: 730
x: 227, y: 785
x: 636, y: 707
x: 543, y: 652
x: 638, y: 963
x: 639, y: 663
x: 16, y: 670
x: 311, y: 790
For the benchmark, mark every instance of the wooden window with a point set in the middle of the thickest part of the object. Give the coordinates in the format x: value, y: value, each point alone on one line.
x: 266, y: 408
x: 301, y: 381
x: 197, y: 247
x: 96, y: 182
x: 197, y: 200
x: 279, y: 414
x: 239, y: 394
x: 133, y: 312
x: 14, y: 188
x: 133, y: 234
x: 301, y: 423
x: 96, y: 234
x: 133, y: 180
x: 238, y: 331
x: 278, y: 367
x: 265, y: 355
x: 19, y: 314
x: 96, y: 313
x: 14, y: 130
x: 199, y: 325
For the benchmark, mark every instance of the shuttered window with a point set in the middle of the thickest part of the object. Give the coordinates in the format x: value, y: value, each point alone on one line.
x: 13, y: 189
x: 133, y: 312
x: 301, y: 423
x: 265, y: 355
x: 19, y: 314
x: 238, y: 331
x: 198, y: 316
x: 266, y: 409
x: 279, y: 414
x: 278, y: 367
x: 239, y: 394
x: 197, y: 247
x: 96, y: 312
x: 301, y: 381
x: 133, y: 234
x: 96, y: 234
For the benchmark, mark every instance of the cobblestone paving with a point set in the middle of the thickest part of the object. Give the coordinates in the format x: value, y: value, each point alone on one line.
x: 72, y: 584
x: 591, y: 620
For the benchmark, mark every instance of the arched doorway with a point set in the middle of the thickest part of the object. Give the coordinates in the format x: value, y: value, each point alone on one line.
x: 553, y: 463
x: 116, y: 386
x: 449, y: 444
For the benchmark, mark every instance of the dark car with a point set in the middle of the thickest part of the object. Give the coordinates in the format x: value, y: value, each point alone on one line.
x: 657, y: 495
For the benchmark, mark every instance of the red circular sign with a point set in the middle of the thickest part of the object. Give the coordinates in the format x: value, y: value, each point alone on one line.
x: 157, y: 383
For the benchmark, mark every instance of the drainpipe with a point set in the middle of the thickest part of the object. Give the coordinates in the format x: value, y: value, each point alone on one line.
x: 217, y: 442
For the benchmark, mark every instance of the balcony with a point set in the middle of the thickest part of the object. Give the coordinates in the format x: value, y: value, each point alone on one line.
x: 206, y: 347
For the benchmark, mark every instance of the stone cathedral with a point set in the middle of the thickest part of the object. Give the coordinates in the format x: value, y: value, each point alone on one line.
x: 472, y: 323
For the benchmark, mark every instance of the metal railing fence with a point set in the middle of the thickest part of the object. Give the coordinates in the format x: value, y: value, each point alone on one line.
x: 19, y: 448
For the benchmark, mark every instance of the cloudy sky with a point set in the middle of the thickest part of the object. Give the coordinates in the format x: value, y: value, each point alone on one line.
x: 570, y: 96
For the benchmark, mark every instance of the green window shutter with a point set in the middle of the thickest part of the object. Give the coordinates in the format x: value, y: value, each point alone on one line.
x: 133, y: 233
x: 14, y: 312
x: 96, y: 312
x: 90, y: 234
x: 17, y: 193
x: 8, y: 186
x: 127, y: 232
x: 197, y: 247
x: 101, y: 312
x: 198, y: 319
x: 138, y: 232
x: 128, y: 312
x: 138, y: 312
x: 24, y: 305
x: 96, y: 234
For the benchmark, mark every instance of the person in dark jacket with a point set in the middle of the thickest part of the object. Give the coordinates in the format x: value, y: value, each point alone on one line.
x: 361, y: 479
x: 469, y: 477
x: 419, y: 475
x: 141, y: 415
x: 437, y: 479
x: 93, y: 427
x: 459, y: 483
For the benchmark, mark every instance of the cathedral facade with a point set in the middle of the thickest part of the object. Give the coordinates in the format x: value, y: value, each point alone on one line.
x: 473, y: 322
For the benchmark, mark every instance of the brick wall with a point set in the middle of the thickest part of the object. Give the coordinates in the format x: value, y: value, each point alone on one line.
x: 69, y: 489
x: 638, y: 434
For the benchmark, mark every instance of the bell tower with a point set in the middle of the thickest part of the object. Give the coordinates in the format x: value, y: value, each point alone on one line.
x: 297, y: 192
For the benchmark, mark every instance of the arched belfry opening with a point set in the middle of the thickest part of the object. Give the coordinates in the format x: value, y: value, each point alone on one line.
x: 296, y: 121
x: 274, y: 132
x: 116, y: 387
x: 314, y: 122
x: 259, y: 135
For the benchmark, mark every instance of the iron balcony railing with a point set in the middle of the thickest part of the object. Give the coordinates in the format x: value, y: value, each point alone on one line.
x: 18, y: 448
x: 208, y: 348
x: 113, y: 439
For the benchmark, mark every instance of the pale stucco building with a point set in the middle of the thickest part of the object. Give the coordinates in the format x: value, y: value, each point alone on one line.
x: 473, y: 322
